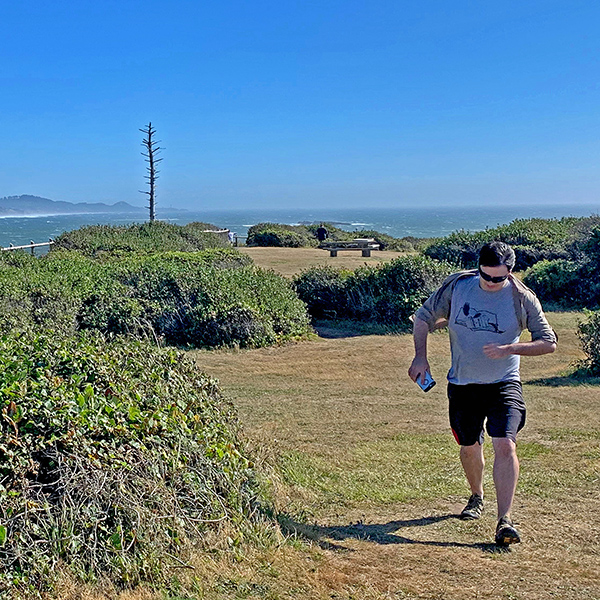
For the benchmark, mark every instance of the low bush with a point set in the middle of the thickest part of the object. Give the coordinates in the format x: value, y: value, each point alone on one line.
x: 532, y: 239
x: 415, y: 244
x: 156, y: 236
x: 562, y: 282
x: 388, y: 293
x: 386, y: 242
x: 297, y: 236
x: 114, y: 457
x: 275, y: 234
x: 206, y: 299
x: 585, y: 239
x: 589, y: 335
x: 571, y: 283
x: 323, y: 290
x: 460, y: 248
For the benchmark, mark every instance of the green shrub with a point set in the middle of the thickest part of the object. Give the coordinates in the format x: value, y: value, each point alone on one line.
x: 388, y: 293
x: 556, y: 281
x: 589, y: 335
x: 460, y: 248
x: 590, y: 246
x: 323, y: 291
x: 533, y: 240
x: 209, y: 298
x: 275, y: 234
x: 572, y: 283
x: 582, y: 239
x: 113, y: 456
x: 566, y: 283
x: 417, y: 244
x: 386, y: 242
x: 209, y: 307
x: 296, y: 236
x: 156, y: 236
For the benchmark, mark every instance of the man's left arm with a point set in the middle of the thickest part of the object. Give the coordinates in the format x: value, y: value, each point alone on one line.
x: 543, y: 337
x: 533, y: 348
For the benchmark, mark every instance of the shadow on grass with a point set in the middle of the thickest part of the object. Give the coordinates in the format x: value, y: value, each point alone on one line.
x: 575, y: 379
x: 334, y: 329
x: 379, y: 533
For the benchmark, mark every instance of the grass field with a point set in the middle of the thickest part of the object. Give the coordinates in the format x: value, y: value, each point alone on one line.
x: 290, y: 261
x: 367, y: 483
x: 369, y: 471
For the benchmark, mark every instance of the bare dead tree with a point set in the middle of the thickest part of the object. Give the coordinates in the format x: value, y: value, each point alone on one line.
x: 151, y: 151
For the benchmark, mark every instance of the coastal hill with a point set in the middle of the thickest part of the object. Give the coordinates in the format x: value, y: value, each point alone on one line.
x: 34, y: 205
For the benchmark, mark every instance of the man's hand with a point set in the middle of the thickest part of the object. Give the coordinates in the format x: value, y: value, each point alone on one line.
x: 418, y: 368
x: 420, y: 364
x: 497, y: 350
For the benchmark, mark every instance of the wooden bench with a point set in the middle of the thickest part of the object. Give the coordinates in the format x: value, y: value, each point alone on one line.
x: 365, y: 245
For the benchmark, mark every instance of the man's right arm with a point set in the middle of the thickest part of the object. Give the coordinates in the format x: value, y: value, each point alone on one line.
x: 419, y: 365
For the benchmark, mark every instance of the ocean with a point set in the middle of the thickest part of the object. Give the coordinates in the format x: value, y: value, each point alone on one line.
x: 397, y: 222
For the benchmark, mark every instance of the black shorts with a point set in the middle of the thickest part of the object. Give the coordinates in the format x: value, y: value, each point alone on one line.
x: 500, y: 403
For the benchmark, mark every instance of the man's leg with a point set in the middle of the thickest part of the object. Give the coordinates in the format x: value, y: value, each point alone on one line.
x: 506, y: 474
x: 466, y: 420
x: 473, y: 464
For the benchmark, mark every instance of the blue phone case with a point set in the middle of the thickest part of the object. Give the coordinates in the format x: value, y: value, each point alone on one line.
x: 429, y: 381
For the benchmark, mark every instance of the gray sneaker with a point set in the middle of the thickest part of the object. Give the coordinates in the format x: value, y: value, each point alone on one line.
x: 506, y: 533
x: 473, y: 509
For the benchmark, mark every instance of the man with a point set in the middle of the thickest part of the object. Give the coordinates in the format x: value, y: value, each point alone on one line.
x: 322, y: 233
x: 485, y: 311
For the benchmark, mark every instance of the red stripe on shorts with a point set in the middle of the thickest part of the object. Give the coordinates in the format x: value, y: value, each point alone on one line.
x: 455, y: 436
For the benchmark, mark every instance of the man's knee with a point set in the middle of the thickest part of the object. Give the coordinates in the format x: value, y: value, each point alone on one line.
x: 472, y: 450
x: 504, y: 447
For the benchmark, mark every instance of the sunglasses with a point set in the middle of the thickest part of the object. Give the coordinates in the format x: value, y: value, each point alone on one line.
x: 492, y: 279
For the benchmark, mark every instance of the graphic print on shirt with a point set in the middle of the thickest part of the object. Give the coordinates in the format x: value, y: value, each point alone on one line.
x: 477, y: 320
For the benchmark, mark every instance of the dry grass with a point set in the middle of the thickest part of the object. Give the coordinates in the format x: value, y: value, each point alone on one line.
x: 290, y: 261
x: 368, y: 482
x: 369, y: 470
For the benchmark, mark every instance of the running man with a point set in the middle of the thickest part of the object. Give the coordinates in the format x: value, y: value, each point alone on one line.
x: 485, y: 311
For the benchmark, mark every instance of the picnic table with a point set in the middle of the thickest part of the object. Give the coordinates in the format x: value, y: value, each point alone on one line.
x: 365, y: 245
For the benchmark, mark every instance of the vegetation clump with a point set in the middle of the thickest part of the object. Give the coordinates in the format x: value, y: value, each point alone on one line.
x: 155, y: 236
x: 533, y: 240
x: 388, y: 293
x: 297, y: 236
x: 571, y: 283
x: 205, y: 299
x: 588, y: 332
x: 114, y: 457
x: 282, y: 236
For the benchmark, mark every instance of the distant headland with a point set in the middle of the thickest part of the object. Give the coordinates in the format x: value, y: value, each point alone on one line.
x: 16, y: 206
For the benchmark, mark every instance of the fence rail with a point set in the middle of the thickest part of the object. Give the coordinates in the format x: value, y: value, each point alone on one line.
x: 31, y: 246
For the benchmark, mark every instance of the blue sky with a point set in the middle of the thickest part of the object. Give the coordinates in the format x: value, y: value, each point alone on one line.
x: 284, y: 104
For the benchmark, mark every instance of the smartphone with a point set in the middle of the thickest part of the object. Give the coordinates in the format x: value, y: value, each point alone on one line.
x: 429, y: 381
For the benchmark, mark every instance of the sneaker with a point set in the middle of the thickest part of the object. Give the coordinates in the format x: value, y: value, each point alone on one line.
x: 506, y: 533
x: 473, y: 509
